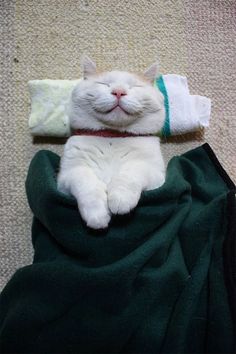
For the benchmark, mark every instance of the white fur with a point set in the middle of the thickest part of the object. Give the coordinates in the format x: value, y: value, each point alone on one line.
x: 107, y: 175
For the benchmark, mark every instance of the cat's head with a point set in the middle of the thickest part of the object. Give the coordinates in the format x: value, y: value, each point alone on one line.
x: 117, y: 100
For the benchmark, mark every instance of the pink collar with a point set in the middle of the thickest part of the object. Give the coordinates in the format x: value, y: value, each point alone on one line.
x: 106, y: 133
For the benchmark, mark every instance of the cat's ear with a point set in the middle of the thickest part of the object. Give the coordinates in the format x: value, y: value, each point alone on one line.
x: 88, y: 67
x: 152, y: 72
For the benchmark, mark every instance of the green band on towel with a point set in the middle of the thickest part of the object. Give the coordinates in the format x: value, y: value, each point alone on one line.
x: 159, y: 82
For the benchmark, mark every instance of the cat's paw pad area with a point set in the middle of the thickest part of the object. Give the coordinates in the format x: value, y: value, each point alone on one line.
x: 96, y: 218
x: 122, y: 202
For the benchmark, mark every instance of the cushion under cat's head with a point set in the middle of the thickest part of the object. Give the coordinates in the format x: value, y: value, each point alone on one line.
x: 117, y: 100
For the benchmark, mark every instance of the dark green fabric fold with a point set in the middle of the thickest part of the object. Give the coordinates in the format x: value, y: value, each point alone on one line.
x: 153, y: 282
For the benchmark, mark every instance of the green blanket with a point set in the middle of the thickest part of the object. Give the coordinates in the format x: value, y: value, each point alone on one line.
x: 159, y: 280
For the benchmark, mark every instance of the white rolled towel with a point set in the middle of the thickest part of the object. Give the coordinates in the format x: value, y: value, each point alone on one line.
x: 49, y: 107
x: 184, y: 112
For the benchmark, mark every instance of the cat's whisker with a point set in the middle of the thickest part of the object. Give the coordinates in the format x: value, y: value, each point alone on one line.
x: 85, y: 99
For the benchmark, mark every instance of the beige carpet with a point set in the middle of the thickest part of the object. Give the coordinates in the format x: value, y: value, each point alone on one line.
x: 45, y: 39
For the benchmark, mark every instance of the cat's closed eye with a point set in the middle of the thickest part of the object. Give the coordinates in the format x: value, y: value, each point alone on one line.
x: 108, y: 85
x: 102, y: 83
x: 137, y: 86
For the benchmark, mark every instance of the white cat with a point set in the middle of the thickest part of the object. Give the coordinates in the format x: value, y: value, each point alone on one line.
x: 107, y: 174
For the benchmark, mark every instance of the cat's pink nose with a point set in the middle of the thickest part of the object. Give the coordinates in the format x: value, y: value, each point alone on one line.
x: 118, y: 93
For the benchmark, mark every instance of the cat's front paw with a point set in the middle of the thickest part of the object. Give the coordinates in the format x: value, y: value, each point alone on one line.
x: 96, y: 218
x: 122, y: 201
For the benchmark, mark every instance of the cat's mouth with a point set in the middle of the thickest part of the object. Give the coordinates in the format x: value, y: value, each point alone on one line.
x: 118, y: 108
